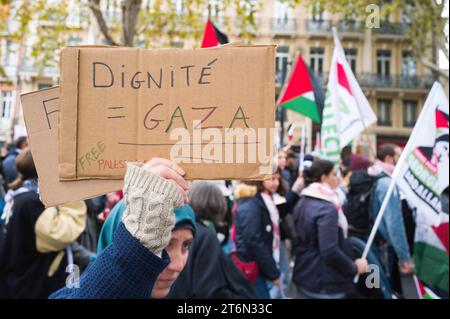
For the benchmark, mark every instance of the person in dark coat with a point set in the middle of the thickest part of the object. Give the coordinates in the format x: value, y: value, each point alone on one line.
x: 33, y: 239
x: 324, y: 266
x: 209, y: 272
x: 9, y: 163
x: 257, y: 230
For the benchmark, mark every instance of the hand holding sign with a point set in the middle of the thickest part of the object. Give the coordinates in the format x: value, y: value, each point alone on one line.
x: 169, y: 170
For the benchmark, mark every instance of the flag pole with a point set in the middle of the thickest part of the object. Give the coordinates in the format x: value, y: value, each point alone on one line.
x: 302, y: 149
x: 365, y: 133
x: 288, y: 77
x: 283, y: 90
x: 397, y: 170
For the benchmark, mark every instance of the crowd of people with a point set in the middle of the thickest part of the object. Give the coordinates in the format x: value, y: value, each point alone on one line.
x: 296, y: 235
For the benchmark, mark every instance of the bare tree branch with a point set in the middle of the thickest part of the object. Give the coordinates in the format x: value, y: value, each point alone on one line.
x: 94, y: 5
x: 427, y: 63
x: 130, y: 11
x: 443, y: 46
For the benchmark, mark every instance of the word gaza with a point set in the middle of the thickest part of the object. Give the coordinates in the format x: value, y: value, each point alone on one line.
x: 205, y: 116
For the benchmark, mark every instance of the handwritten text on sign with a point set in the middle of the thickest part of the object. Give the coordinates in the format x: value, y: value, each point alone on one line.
x: 132, y: 99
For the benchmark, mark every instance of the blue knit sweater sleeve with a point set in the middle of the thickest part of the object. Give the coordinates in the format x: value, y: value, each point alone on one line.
x: 125, y: 269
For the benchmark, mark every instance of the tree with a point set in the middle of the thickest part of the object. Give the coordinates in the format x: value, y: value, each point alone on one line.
x: 157, y: 23
x: 142, y: 23
x: 425, y: 30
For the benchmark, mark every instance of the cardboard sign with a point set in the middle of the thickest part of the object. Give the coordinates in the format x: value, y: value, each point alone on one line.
x: 40, y: 111
x: 131, y: 104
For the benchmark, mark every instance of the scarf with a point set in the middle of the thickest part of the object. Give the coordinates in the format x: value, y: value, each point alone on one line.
x: 275, y: 218
x: 184, y: 218
x: 324, y: 192
x: 381, y: 167
x: 29, y: 185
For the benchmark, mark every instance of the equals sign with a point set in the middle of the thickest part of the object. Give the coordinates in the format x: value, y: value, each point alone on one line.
x: 116, y: 116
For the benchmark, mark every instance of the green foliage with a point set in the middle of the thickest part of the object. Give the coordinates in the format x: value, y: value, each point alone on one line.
x: 160, y: 24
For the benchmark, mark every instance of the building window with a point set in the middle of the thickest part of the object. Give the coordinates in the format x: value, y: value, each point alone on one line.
x: 177, y: 44
x: 409, y: 66
x: 112, y: 10
x: 42, y: 86
x: 384, y: 112
x: 282, y: 11
x: 316, y: 12
x: 383, y: 63
x: 351, y: 54
x: 9, y: 53
x: 281, y: 64
x: 73, y: 15
x: 6, y: 104
x: 177, y: 6
x: 406, y: 16
x: 74, y: 41
x: 316, y: 56
x: 214, y: 9
x: 409, y: 113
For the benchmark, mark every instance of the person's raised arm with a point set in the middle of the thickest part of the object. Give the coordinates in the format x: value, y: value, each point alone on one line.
x: 129, y: 267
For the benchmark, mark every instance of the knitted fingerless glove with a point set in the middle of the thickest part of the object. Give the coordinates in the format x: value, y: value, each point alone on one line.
x: 150, y: 201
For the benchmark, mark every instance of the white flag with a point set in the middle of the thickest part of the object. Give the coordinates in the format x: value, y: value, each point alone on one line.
x: 424, y: 175
x: 346, y: 111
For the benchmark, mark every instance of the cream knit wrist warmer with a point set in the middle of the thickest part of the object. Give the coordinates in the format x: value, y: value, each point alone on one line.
x: 150, y: 201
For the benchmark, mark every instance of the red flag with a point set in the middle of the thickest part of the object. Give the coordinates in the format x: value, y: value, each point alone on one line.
x: 212, y: 36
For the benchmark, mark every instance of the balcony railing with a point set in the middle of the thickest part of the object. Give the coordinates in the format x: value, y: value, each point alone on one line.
x: 29, y: 69
x: 375, y: 80
x: 396, y: 81
x: 372, y: 80
x: 283, y: 26
x: 345, y: 26
x: 318, y: 26
x: 391, y: 28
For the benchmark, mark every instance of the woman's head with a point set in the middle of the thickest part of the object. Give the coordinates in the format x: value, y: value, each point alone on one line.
x: 25, y: 168
x: 208, y: 202
x: 25, y: 165
x: 282, y: 159
x: 322, y: 171
x: 178, y: 250
x: 271, y: 185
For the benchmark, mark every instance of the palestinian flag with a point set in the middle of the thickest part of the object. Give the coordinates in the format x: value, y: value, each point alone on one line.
x: 303, y: 93
x: 423, y: 176
x: 424, y: 292
x: 291, y: 131
x: 212, y: 36
x: 347, y: 112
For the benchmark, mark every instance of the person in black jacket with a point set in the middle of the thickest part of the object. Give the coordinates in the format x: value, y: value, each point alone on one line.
x: 209, y: 272
x: 324, y: 265
x: 32, y: 255
x: 257, y: 230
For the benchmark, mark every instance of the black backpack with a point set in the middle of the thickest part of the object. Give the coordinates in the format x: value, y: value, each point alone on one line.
x: 357, y: 209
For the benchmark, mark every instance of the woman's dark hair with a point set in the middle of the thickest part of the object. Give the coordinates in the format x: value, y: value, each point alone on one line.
x: 21, y: 142
x: 208, y: 202
x: 387, y: 149
x: 25, y: 168
x: 317, y: 170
